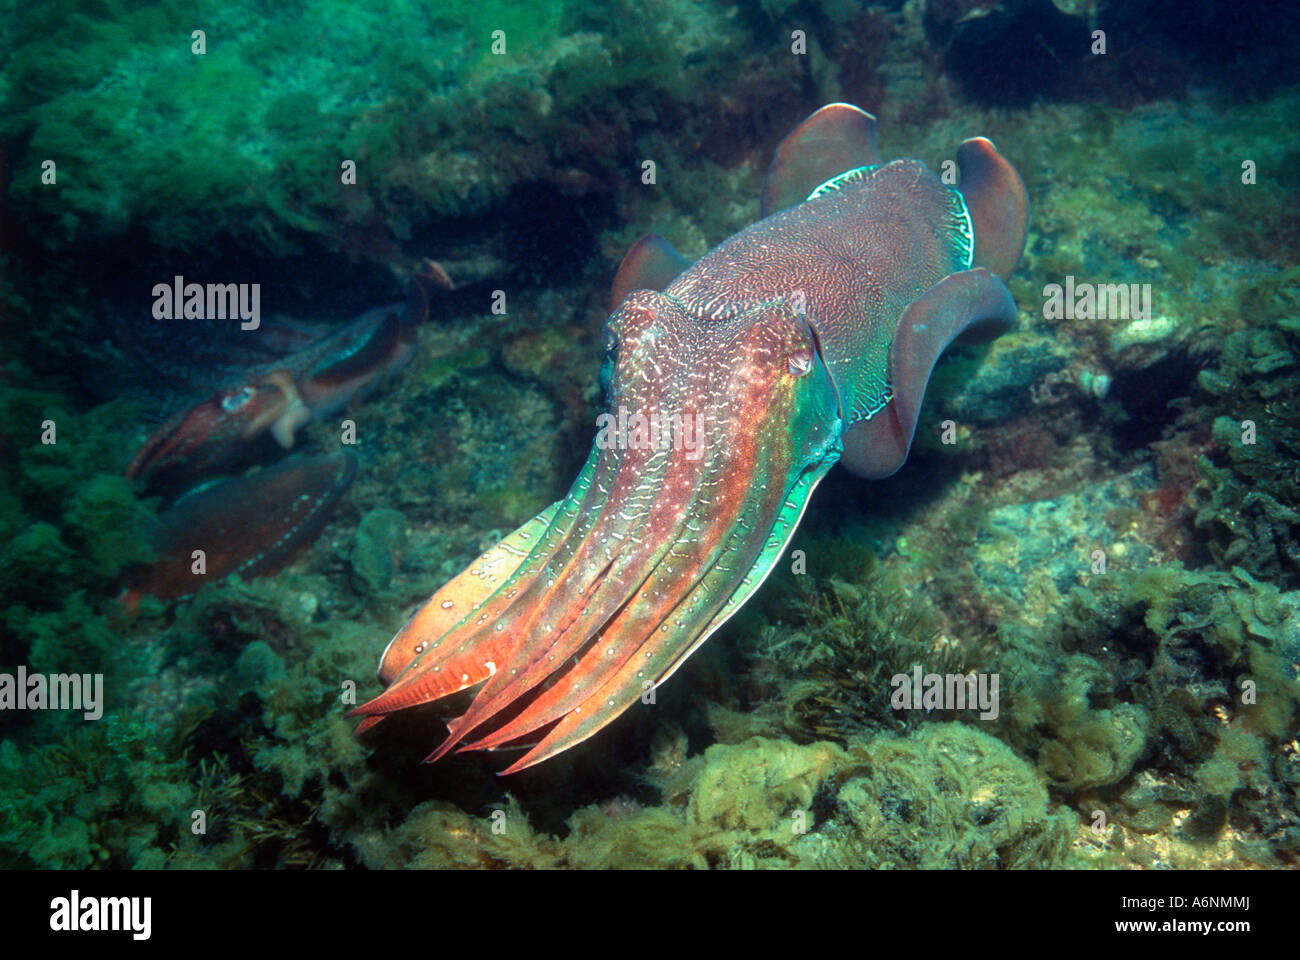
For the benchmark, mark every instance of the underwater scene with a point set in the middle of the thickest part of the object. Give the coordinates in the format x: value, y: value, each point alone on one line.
x: 798, y: 434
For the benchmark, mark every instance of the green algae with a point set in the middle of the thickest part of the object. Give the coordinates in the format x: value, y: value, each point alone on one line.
x: 1176, y: 696
x: 843, y: 636
x: 439, y: 371
x: 947, y: 796
x: 1145, y: 694
x: 112, y: 94
x: 103, y: 796
x: 952, y: 782
x: 1091, y: 747
x: 377, y: 549
x: 1252, y: 489
x: 73, y: 527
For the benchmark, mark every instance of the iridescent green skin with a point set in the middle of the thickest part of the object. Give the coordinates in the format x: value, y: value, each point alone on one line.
x: 652, y: 549
x: 780, y: 342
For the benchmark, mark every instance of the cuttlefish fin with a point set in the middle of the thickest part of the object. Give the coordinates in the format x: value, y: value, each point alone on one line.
x: 650, y: 264
x: 836, y: 138
x: 998, y: 204
x: 606, y: 691
x: 972, y: 301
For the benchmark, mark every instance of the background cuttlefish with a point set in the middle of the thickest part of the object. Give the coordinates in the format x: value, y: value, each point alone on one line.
x: 280, y: 397
x: 254, y: 524
x: 806, y: 338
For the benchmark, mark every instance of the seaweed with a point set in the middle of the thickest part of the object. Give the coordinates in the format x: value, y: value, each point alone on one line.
x: 1172, y: 694
x: 1249, y: 503
x: 104, y: 796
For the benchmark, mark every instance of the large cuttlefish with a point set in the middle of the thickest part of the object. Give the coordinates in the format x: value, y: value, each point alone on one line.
x: 805, y: 339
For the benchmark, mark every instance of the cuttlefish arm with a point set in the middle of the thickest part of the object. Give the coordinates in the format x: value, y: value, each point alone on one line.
x: 808, y: 336
x: 656, y: 545
x: 279, y: 398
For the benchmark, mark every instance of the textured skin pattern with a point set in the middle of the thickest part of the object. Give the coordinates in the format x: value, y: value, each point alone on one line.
x: 780, y: 345
x: 860, y: 255
x: 638, y: 564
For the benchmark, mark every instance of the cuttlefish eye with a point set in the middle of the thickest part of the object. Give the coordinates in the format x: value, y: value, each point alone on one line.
x: 234, y: 401
x: 610, y: 339
x: 799, y: 364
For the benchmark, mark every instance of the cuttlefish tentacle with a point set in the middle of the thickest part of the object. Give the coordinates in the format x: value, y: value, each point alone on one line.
x: 282, y: 418
x: 809, y: 336
x: 614, y: 674
x: 418, y: 665
x: 716, y: 537
x: 689, y: 509
x: 669, y: 537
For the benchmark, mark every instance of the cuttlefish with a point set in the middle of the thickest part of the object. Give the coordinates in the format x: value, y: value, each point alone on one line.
x: 254, y: 524
x: 737, y: 382
x: 282, y: 396
x: 251, y: 525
